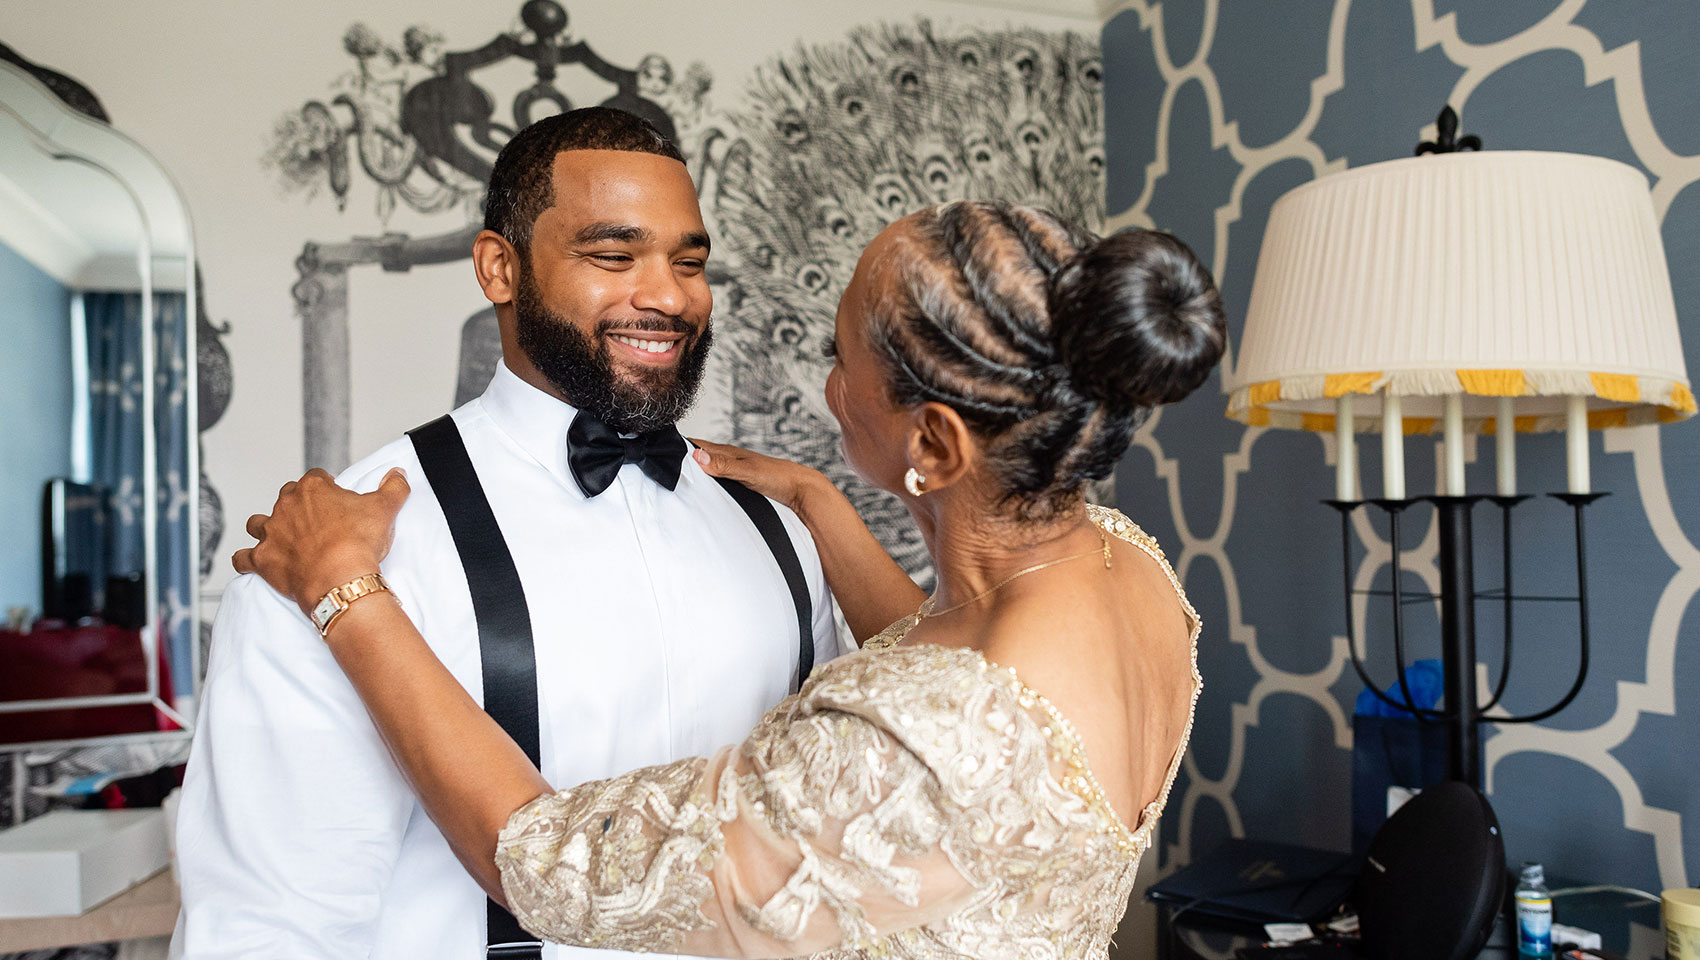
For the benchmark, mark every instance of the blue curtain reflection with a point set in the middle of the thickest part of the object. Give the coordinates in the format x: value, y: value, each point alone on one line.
x: 114, y: 322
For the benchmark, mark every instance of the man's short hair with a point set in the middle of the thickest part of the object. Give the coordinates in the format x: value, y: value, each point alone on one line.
x: 522, y: 183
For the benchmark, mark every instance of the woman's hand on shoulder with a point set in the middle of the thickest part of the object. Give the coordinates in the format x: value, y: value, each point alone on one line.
x: 775, y: 478
x: 320, y: 536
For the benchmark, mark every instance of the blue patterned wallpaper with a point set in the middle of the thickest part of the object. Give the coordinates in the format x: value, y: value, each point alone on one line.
x: 1213, y: 109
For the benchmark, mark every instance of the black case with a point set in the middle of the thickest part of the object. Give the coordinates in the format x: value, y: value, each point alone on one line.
x: 1434, y: 878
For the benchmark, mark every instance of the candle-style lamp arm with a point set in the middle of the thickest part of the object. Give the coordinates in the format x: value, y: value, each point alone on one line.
x: 1578, y: 503
x: 1394, y: 508
x: 1505, y: 505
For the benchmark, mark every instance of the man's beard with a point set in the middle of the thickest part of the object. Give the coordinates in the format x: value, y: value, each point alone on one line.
x: 636, y: 401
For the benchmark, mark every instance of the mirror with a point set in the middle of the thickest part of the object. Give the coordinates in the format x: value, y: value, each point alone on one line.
x: 99, y: 508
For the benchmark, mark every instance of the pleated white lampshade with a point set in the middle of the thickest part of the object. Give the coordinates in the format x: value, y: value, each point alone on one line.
x: 1535, y: 276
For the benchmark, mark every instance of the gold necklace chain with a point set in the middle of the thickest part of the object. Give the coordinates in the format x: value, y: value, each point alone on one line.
x: 1105, y: 552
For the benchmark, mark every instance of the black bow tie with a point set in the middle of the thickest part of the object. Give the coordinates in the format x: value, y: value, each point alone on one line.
x: 596, y: 453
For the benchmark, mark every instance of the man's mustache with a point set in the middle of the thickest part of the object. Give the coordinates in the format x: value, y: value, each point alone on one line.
x: 655, y: 323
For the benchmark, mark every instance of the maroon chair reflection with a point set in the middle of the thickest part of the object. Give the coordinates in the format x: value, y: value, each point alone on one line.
x: 56, y: 661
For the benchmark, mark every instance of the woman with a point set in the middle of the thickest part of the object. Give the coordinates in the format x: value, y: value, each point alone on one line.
x: 922, y: 797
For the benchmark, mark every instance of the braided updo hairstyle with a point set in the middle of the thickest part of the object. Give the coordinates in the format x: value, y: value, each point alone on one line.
x: 1051, y: 344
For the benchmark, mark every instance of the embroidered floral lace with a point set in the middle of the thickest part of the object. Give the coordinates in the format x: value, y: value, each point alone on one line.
x: 912, y: 801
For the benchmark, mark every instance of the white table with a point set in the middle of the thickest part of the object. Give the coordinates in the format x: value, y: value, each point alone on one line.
x: 146, y: 910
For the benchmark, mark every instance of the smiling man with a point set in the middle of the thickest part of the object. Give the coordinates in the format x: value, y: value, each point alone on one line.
x: 609, y: 603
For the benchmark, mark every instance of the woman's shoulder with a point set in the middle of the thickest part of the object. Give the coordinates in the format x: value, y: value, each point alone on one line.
x: 976, y: 724
x: 891, y: 674
x: 1116, y: 524
x: 937, y: 701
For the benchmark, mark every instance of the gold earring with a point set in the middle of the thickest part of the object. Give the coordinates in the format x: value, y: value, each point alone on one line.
x: 912, y: 482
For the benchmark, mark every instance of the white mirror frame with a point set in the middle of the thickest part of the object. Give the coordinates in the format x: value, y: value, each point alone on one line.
x: 165, y: 246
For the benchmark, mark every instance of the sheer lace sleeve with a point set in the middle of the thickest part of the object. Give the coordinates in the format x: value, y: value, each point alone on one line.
x: 897, y: 789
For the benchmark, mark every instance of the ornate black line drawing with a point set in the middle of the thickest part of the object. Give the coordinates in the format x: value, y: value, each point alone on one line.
x: 427, y: 142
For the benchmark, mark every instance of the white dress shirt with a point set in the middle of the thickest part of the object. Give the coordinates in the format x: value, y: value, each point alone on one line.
x: 663, y: 629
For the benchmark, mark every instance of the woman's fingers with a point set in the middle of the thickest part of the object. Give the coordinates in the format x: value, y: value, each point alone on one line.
x: 772, y: 477
x: 720, y: 466
x: 721, y: 459
x: 315, y: 474
x: 393, y: 490
x: 318, y: 532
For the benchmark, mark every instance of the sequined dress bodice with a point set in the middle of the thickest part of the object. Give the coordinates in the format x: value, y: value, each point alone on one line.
x: 912, y: 801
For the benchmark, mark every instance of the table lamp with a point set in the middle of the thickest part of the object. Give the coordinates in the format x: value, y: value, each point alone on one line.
x: 1499, y: 292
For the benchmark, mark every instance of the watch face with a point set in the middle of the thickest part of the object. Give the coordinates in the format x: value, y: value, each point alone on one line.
x: 326, y: 609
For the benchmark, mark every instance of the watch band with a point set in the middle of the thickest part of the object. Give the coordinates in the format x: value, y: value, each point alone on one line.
x: 337, y: 602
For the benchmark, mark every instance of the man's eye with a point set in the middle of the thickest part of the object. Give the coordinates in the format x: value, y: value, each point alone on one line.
x: 612, y: 257
x: 691, y: 264
x: 829, y: 347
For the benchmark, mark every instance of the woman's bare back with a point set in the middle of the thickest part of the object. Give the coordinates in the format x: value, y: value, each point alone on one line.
x: 1111, y: 649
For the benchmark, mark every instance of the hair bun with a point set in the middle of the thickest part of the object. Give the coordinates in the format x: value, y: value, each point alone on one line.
x: 1137, y: 319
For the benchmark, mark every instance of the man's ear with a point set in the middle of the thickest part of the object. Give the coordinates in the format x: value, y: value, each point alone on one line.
x: 941, y: 447
x: 497, y: 264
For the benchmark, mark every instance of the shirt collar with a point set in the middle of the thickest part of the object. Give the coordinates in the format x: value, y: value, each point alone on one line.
x: 534, y: 420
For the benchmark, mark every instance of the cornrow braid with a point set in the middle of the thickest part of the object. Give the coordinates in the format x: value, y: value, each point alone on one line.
x: 1008, y: 289
x: 1051, y: 344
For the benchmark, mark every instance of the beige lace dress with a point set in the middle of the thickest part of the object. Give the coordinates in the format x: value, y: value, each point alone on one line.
x: 911, y: 801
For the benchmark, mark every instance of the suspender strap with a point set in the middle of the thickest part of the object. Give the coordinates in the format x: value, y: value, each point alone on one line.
x: 504, y: 625
x: 772, y: 530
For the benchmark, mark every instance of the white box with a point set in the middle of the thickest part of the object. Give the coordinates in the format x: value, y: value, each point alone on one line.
x: 67, y: 862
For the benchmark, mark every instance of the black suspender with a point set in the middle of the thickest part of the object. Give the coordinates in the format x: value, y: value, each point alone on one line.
x: 504, y: 621
x: 504, y: 627
x: 772, y: 529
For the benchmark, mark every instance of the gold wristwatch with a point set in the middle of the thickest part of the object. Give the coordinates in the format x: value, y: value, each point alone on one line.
x: 337, y: 602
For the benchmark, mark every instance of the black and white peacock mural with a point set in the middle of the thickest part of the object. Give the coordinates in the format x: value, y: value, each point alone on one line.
x: 824, y: 146
x: 835, y: 142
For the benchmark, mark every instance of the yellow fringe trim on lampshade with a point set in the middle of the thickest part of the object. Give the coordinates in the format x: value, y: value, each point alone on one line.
x: 1338, y: 385
x: 1647, y: 400
x: 1608, y: 419
x: 1493, y: 383
x: 1618, y: 387
x: 1263, y: 394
